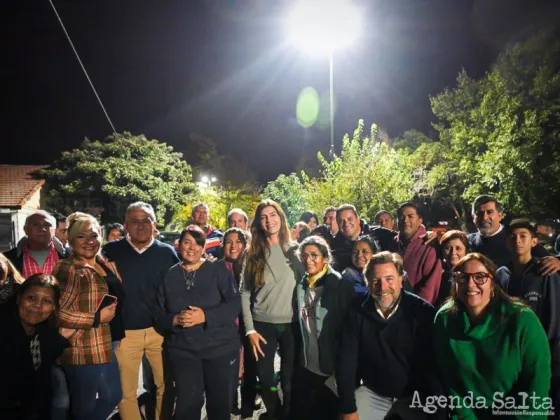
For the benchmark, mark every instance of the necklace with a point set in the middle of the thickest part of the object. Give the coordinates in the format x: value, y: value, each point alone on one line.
x: 189, y: 276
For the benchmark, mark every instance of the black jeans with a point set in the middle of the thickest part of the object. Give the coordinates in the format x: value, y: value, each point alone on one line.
x: 312, y: 399
x: 195, y: 378
x: 283, y: 336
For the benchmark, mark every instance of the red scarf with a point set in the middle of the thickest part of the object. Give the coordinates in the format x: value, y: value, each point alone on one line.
x: 30, y: 266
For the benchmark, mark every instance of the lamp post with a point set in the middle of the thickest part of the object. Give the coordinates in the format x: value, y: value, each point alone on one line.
x: 322, y: 28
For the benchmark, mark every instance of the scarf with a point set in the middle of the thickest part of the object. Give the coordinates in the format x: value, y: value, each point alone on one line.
x: 316, y: 277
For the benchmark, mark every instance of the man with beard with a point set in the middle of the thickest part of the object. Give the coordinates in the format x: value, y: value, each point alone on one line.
x: 386, y: 345
x: 491, y: 238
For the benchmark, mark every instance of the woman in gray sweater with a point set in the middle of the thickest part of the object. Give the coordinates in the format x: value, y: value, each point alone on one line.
x: 268, y: 302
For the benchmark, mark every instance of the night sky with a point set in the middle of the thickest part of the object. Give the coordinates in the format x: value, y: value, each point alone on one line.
x: 223, y: 69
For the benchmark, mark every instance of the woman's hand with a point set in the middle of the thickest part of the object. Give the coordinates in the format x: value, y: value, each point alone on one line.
x: 256, y: 339
x: 108, y: 313
x: 351, y: 416
x: 180, y: 319
x: 195, y: 316
x: 66, y: 332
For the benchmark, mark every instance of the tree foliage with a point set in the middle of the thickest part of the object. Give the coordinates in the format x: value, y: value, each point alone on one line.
x: 501, y: 134
x: 368, y: 173
x: 104, y: 177
x: 221, y: 199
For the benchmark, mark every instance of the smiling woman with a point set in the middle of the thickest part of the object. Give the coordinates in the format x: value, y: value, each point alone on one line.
x: 197, y: 305
x: 479, y: 320
x: 34, y: 345
x: 94, y: 329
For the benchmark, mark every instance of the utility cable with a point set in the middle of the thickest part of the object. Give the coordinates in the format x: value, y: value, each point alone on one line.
x: 82, y: 65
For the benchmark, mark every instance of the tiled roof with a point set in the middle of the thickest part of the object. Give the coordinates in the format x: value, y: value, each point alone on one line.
x: 18, y: 184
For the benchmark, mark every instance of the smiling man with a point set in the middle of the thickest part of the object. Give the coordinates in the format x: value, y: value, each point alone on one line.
x: 39, y: 253
x: 386, y: 346
x: 214, y: 237
x: 491, y: 238
x: 143, y: 263
x: 350, y: 228
x: 421, y: 261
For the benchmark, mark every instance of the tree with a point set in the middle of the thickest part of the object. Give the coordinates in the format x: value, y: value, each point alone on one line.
x: 501, y: 134
x: 368, y: 173
x: 289, y: 192
x: 104, y: 177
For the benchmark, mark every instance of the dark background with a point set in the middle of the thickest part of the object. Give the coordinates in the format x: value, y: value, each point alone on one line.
x: 223, y: 69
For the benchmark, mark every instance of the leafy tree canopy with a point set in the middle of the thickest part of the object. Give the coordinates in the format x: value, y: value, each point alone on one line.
x: 104, y: 177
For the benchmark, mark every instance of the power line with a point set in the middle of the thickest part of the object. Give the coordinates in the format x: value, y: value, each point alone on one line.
x: 83, y: 67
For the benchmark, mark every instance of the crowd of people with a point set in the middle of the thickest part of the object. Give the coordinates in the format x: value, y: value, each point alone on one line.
x: 388, y: 321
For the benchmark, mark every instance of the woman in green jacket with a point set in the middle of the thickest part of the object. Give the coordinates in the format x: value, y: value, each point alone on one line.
x: 492, y: 351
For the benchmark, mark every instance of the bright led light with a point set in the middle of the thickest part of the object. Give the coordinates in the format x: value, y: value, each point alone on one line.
x: 205, y: 179
x: 214, y: 179
x: 323, y: 26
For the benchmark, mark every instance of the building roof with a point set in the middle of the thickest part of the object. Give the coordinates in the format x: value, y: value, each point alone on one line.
x: 18, y: 184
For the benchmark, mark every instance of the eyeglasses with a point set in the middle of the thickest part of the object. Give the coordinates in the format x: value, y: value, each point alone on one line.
x: 479, y: 278
x: 313, y: 257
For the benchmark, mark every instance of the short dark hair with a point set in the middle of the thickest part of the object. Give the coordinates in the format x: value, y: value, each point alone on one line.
x: 48, y: 281
x: 196, y: 232
x: 547, y: 223
x: 306, y: 217
x: 327, y: 211
x: 60, y: 218
x: 410, y: 205
x: 485, y: 199
x: 367, y: 240
x: 381, y: 213
x: 522, y: 224
x: 320, y: 243
x: 112, y: 226
x: 345, y: 207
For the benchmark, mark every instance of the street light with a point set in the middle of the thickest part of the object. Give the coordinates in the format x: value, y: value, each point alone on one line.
x: 321, y: 28
x: 208, y: 180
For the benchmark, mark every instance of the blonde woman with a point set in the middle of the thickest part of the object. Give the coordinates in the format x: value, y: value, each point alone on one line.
x: 10, y: 280
x: 87, y: 280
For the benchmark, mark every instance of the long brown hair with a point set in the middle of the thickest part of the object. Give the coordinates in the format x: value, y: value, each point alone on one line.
x: 259, y: 250
x: 498, y: 294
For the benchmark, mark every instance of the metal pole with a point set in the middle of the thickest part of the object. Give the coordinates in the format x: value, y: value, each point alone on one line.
x: 331, y: 93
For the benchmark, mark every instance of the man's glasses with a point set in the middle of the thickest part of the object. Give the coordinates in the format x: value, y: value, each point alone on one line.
x: 479, y: 278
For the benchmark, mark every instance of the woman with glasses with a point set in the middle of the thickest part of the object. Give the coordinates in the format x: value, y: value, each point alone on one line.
x: 489, y: 346
x: 323, y: 299
x: 196, y: 309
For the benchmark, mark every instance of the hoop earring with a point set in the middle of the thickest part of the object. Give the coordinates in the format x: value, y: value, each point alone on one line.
x: 492, y: 295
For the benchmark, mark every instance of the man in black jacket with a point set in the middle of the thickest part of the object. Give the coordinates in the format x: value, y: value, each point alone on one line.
x: 387, y: 345
x: 490, y: 239
x: 350, y: 228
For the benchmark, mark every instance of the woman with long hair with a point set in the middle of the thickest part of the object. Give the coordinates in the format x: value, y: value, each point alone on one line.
x: 10, y: 281
x: 94, y: 319
x: 30, y: 345
x: 268, y: 302
x: 235, y: 246
x: 489, y: 345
